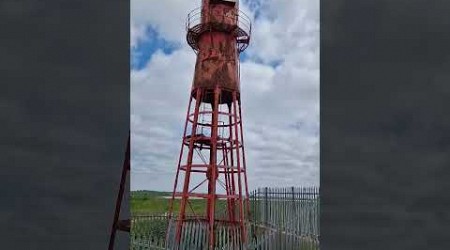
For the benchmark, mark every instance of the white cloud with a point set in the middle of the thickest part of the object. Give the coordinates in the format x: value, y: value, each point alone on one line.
x: 280, y: 104
x: 137, y: 34
x: 286, y: 29
x: 167, y: 17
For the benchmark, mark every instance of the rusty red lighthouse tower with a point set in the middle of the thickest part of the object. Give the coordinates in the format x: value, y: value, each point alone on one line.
x: 211, y: 165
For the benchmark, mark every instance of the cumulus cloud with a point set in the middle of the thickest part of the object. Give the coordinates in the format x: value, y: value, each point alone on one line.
x: 137, y: 34
x: 279, y: 84
x: 167, y: 17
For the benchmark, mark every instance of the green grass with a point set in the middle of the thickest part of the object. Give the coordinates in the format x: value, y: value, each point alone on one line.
x: 153, y: 202
x: 148, y: 202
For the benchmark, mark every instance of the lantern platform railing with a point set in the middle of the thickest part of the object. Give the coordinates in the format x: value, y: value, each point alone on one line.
x: 236, y: 22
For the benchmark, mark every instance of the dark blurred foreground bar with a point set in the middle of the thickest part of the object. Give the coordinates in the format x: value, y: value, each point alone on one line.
x: 385, y: 124
x: 64, y: 105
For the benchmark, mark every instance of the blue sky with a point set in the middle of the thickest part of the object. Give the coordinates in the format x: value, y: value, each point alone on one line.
x: 142, y: 53
x: 279, y: 85
x: 145, y: 48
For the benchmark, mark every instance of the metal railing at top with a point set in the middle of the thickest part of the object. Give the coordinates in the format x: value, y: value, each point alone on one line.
x: 194, y: 18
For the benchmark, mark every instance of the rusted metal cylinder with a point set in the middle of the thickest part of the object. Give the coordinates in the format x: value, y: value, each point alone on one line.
x: 216, y: 62
x: 217, y: 57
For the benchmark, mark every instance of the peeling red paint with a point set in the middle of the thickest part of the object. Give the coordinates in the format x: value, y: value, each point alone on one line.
x: 217, y: 38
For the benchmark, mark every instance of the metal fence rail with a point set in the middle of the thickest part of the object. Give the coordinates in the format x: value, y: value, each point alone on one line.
x: 291, y: 209
x: 282, y: 218
x: 148, y: 232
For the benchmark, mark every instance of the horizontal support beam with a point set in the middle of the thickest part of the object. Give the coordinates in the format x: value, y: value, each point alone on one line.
x: 199, y: 195
x: 201, y: 168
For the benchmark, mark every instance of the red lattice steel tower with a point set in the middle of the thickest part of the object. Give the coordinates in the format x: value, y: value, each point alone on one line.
x: 212, y: 154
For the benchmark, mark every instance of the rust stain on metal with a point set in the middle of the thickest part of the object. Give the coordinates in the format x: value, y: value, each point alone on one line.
x: 215, y: 34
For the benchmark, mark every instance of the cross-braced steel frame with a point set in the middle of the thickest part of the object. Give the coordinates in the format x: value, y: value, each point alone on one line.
x: 212, y: 164
x: 226, y: 167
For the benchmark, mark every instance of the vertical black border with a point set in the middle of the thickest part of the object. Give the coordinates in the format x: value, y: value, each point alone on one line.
x: 385, y: 124
x: 65, y: 120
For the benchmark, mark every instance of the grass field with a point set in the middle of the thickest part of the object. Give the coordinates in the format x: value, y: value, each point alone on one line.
x: 153, y: 202
x: 149, y: 202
